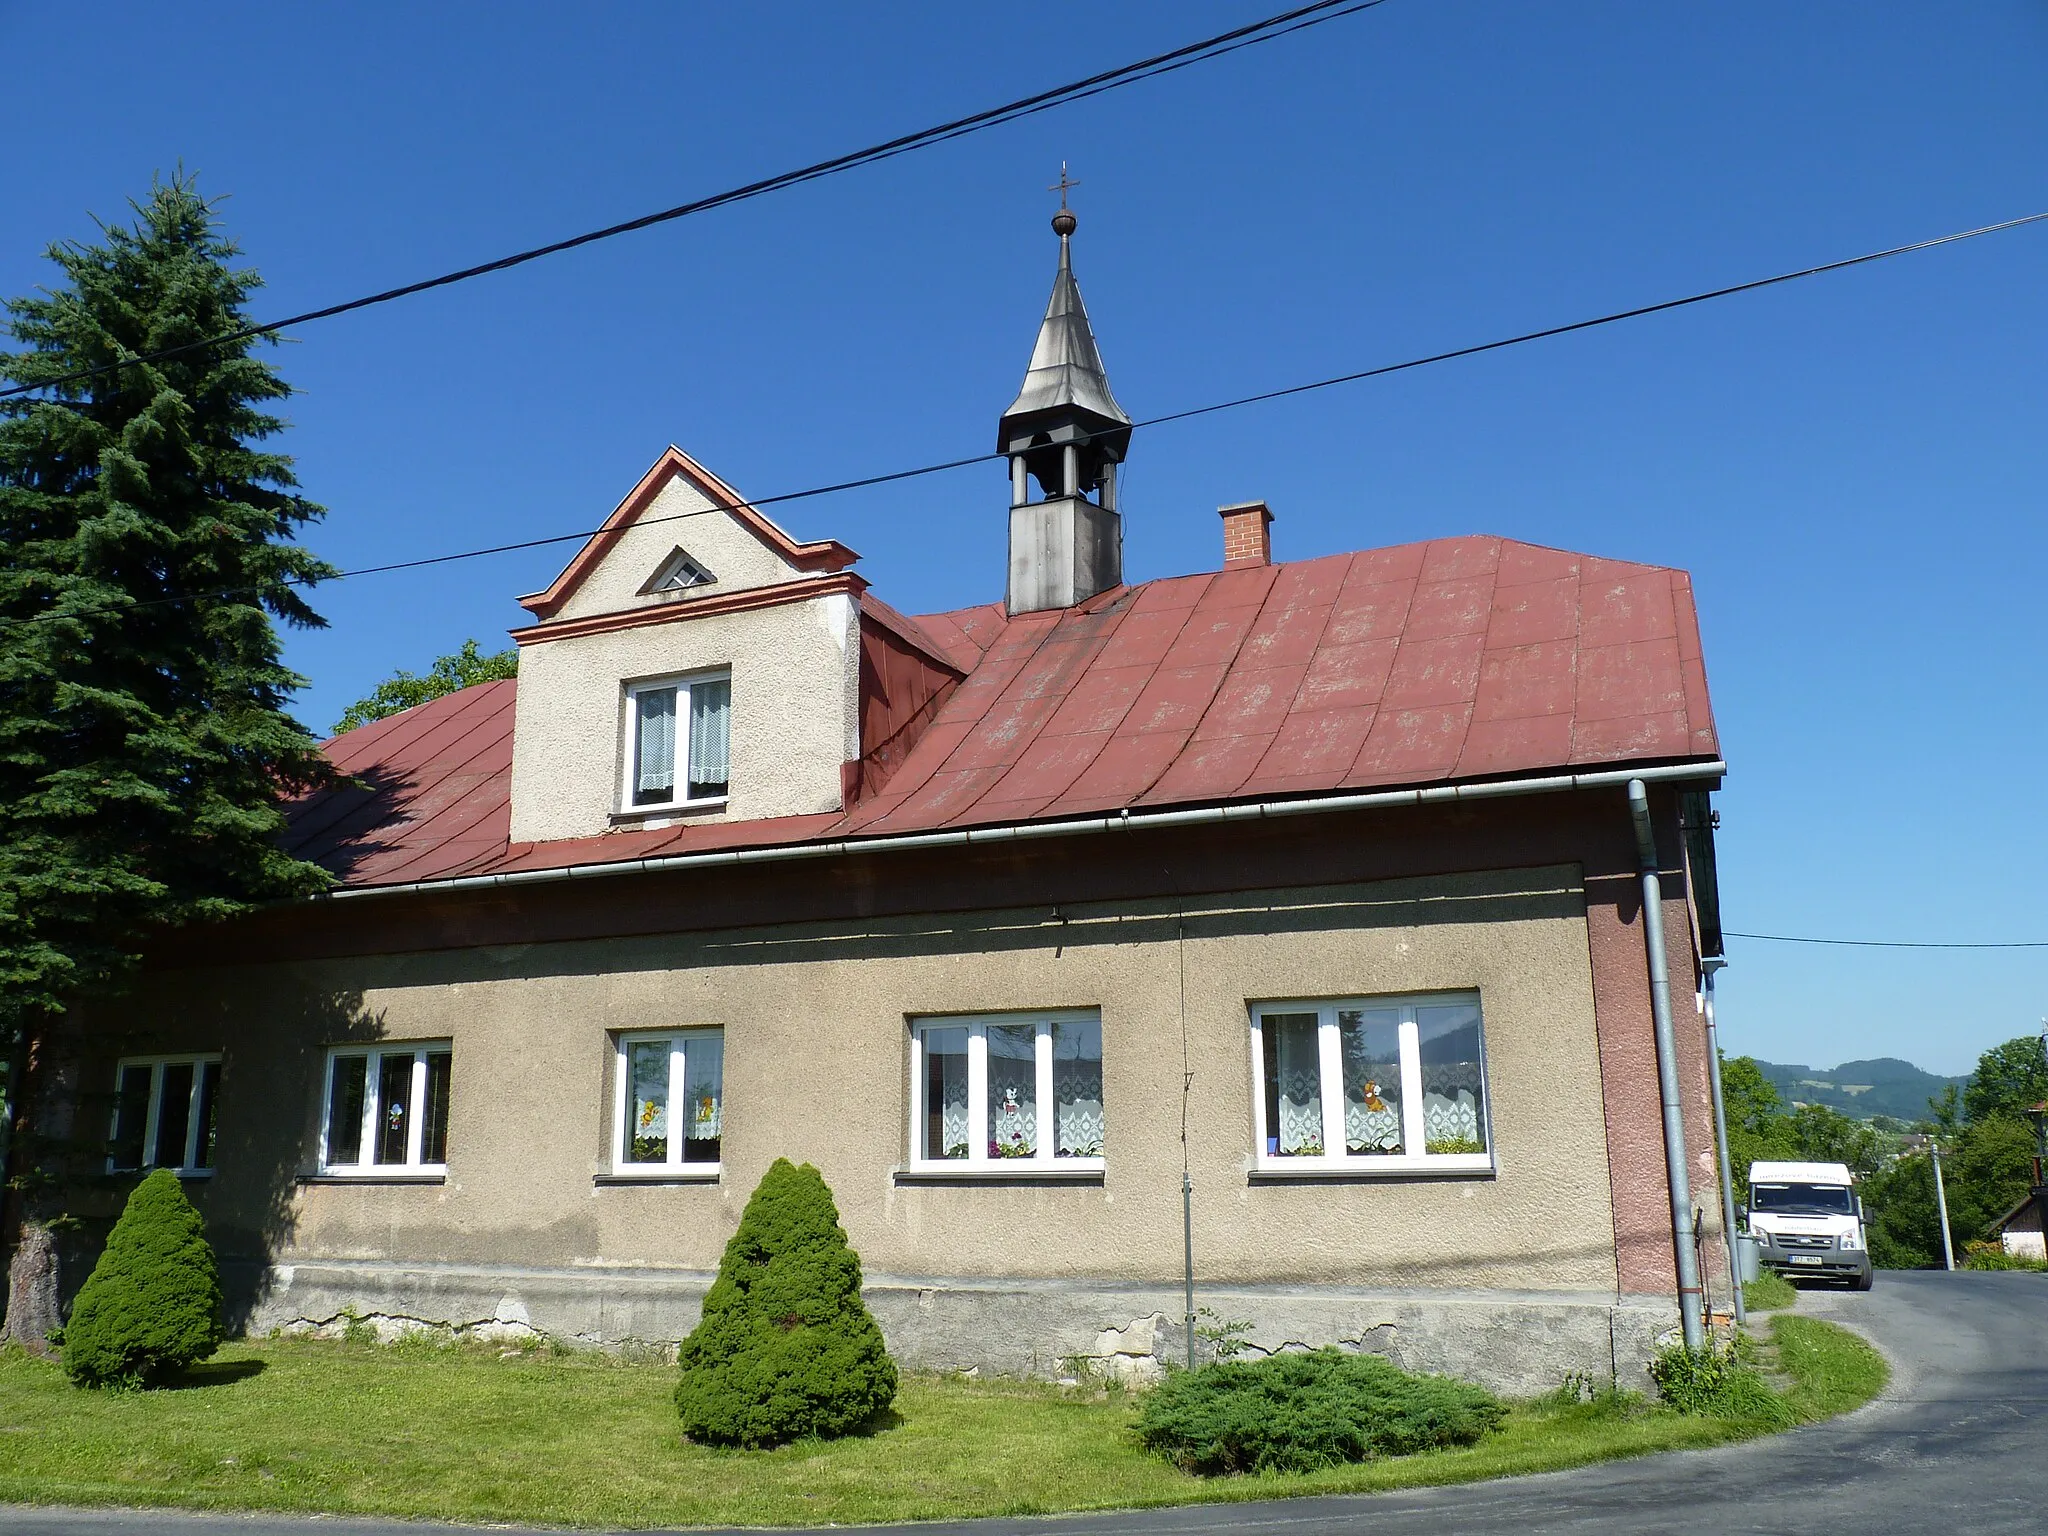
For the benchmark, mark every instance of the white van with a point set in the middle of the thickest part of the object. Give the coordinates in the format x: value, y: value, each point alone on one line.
x: 1807, y: 1219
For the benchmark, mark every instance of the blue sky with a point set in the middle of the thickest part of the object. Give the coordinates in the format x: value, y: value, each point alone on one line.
x: 1852, y: 468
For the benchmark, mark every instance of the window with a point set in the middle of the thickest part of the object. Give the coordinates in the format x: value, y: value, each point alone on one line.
x: 1371, y: 1084
x: 1007, y: 1094
x: 669, y: 1104
x: 1803, y: 1199
x: 387, y: 1110
x: 679, y: 738
x: 164, y: 1114
x: 678, y: 573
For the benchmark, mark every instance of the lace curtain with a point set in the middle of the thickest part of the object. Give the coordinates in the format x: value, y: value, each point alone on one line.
x: 947, y: 1124
x: 1294, y: 1104
x: 654, y: 753
x: 1077, y: 1088
x: 647, y: 1101
x: 1370, y: 1044
x: 1012, y: 1090
x: 710, y: 738
x: 702, y: 1108
x: 1453, y: 1083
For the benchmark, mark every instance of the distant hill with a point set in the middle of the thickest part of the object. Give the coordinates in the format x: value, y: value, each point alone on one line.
x: 1862, y: 1089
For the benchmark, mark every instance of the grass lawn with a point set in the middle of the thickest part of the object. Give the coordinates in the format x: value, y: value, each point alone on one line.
x: 468, y: 1434
x: 1769, y: 1292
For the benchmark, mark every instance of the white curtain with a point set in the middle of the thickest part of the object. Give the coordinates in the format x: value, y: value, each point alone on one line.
x: 710, y: 738
x: 1077, y: 1088
x: 654, y: 761
x: 1012, y: 1090
x: 1300, y: 1083
x: 704, y: 1073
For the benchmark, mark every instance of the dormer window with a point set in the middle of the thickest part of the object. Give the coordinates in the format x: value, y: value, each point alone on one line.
x: 679, y: 747
x: 678, y: 573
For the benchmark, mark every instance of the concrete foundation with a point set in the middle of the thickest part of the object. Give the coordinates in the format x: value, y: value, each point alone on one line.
x: 1519, y: 1343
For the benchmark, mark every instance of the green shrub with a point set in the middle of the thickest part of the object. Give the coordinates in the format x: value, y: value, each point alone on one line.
x: 1994, y: 1256
x: 151, y: 1306
x: 1298, y: 1412
x: 785, y: 1349
x: 1716, y: 1382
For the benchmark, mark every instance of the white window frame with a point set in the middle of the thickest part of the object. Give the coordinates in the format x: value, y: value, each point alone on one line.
x: 674, y: 1168
x: 186, y: 1168
x: 1330, y: 1070
x: 977, y: 1163
x: 630, y: 744
x: 373, y: 1103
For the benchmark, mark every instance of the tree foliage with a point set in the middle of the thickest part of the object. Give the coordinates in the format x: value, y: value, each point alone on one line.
x: 2010, y: 1079
x: 152, y: 1305
x: 466, y: 667
x: 786, y: 1348
x: 149, y: 545
x: 1987, y: 1151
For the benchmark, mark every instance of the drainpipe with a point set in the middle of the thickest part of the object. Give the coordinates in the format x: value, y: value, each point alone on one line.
x: 1667, y: 1071
x: 1710, y: 968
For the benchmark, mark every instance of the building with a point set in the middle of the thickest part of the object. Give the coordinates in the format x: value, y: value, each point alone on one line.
x: 1313, y: 889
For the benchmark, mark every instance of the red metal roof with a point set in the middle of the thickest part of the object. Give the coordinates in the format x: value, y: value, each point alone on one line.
x: 1461, y: 658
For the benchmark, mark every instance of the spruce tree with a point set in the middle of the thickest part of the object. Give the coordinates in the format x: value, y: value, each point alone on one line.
x: 152, y: 1304
x: 148, y: 546
x: 786, y: 1349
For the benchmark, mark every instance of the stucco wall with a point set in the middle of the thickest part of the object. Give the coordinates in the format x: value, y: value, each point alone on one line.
x: 795, y: 710
x: 816, y: 1068
x: 680, y: 515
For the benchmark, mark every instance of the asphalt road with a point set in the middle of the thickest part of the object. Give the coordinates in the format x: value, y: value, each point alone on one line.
x: 1958, y: 1446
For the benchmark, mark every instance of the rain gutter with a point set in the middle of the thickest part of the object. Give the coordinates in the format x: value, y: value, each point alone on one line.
x: 1667, y: 1067
x: 1123, y: 821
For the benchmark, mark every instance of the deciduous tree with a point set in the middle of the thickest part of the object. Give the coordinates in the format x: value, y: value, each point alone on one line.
x: 466, y: 667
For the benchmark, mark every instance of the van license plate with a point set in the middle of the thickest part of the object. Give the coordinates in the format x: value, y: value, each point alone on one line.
x: 1802, y: 1258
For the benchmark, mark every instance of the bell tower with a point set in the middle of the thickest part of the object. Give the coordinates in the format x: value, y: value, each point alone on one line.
x: 1066, y: 432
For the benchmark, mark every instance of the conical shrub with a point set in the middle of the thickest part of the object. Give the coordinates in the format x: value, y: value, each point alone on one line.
x: 785, y: 1349
x: 151, y: 1306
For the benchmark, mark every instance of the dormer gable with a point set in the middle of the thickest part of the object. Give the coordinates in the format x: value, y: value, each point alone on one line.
x: 680, y: 508
x: 694, y: 663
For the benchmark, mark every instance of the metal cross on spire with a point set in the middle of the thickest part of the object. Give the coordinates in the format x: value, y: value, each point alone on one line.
x: 1064, y: 221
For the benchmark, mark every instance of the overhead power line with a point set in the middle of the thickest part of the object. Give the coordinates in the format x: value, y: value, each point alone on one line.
x: 1267, y: 30
x: 839, y: 486
x: 1791, y: 938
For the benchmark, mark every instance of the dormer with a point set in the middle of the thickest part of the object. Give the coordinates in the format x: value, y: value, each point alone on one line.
x: 692, y: 663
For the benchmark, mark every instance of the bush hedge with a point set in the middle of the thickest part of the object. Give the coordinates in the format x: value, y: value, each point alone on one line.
x: 786, y: 1349
x: 1298, y: 1412
x: 152, y: 1305
x: 1992, y: 1255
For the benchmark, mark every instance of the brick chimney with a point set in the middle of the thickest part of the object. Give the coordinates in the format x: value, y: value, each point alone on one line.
x: 1247, y: 534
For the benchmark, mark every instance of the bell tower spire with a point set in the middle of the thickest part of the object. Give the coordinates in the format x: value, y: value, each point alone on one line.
x: 1065, y: 431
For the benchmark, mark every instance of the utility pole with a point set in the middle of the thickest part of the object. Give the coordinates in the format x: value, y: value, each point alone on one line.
x: 2039, y: 1115
x: 1948, y: 1249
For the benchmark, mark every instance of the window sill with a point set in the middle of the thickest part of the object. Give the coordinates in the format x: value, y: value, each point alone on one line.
x: 1316, y: 1170
x: 1089, y: 1172
x: 634, y: 815
x: 378, y: 1176
x: 704, y: 1173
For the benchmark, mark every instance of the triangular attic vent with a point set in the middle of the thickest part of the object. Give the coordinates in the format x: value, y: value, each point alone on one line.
x: 678, y: 573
